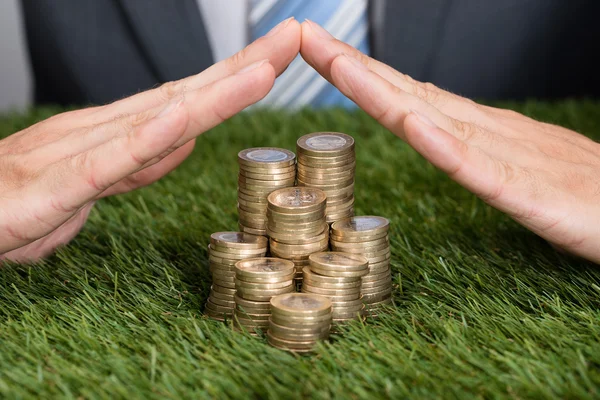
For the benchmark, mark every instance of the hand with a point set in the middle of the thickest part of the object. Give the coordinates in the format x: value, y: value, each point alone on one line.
x: 545, y: 177
x: 52, y: 172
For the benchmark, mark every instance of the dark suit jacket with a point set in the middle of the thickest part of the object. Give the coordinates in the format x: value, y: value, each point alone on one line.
x: 96, y: 51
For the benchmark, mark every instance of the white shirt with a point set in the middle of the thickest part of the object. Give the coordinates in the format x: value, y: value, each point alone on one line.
x: 226, y: 25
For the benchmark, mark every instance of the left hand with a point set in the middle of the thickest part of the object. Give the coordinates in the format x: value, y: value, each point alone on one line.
x: 545, y: 177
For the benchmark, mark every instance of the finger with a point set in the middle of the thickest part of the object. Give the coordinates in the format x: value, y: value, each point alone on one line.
x: 280, y: 46
x: 85, y: 176
x: 498, y: 183
x: 82, y: 140
x: 44, y: 246
x: 152, y: 173
x: 319, y: 49
x: 390, y: 106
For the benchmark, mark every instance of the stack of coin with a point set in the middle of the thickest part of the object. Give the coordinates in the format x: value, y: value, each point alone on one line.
x: 326, y: 161
x: 338, y: 276
x: 225, y: 249
x: 296, y: 224
x: 298, y: 321
x: 368, y: 236
x: 262, y: 170
x: 256, y: 281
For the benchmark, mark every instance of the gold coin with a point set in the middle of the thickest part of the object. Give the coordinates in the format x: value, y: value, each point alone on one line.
x: 218, y: 254
x: 333, y: 170
x: 293, y: 322
x: 290, y: 345
x: 285, y: 331
x: 239, y: 252
x: 222, y: 289
x: 359, y: 239
x: 267, y: 171
x: 254, y: 317
x: 221, y: 302
x: 331, y: 291
x: 356, y: 283
x: 349, y: 306
x: 333, y: 297
x: 359, y: 226
x: 266, y: 157
x: 287, y: 237
x: 300, y: 337
x: 217, y: 308
x: 220, y: 267
x: 238, y: 240
x: 224, y: 283
x: 299, y: 304
x: 325, y: 143
x: 321, y: 237
x: 338, y: 261
x: 295, y: 200
x: 222, y: 296
x: 250, y: 322
x: 268, y: 184
x: 252, y: 231
x: 224, y: 275
x: 268, y: 176
x: 325, y: 186
x: 298, y: 248
x: 251, y: 199
x: 375, y: 277
x: 262, y: 285
x: 252, y: 304
x: 376, y: 297
x: 306, y: 217
x: 264, y: 267
x: 267, y: 279
x: 338, y: 273
x: 315, y: 277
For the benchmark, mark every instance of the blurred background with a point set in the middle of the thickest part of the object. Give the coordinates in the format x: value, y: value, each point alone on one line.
x: 15, y: 74
x: 79, y: 52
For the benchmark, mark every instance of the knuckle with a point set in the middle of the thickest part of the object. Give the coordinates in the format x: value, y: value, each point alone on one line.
x: 169, y: 90
x: 237, y: 60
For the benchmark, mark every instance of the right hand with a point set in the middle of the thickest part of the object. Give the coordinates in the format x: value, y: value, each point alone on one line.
x: 52, y: 173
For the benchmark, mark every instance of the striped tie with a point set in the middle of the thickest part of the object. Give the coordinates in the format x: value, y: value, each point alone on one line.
x: 300, y: 85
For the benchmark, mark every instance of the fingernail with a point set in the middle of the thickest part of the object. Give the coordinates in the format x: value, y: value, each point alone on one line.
x: 424, y: 119
x: 275, y: 30
x: 252, y: 66
x: 319, y: 30
x: 355, y: 61
x: 171, y: 106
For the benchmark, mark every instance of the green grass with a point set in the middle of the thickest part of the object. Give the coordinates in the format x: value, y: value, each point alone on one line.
x: 483, y: 308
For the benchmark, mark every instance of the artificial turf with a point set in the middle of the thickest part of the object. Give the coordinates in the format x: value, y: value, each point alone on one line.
x: 483, y: 308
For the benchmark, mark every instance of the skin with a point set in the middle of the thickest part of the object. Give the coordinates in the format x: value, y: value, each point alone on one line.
x: 543, y: 176
x: 52, y: 173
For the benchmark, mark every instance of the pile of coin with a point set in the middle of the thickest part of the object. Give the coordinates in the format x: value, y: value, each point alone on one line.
x: 296, y: 224
x: 326, y: 160
x: 262, y: 170
x: 368, y: 236
x: 298, y: 321
x: 224, y: 250
x: 338, y: 276
x: 257, y: 280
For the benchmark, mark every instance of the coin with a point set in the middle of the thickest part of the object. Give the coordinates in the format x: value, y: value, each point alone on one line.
x: 296, y: 200
x: 338, y: 261
x: 329, y: 143
x: 299, y: 304
x: 266, y: 157
x: 360, y: 225
x: 264, y: 267
x: 238, y: 240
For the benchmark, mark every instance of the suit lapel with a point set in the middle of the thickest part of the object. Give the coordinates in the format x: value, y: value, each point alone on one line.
x: 410, y: 35
x: 170, y: 34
